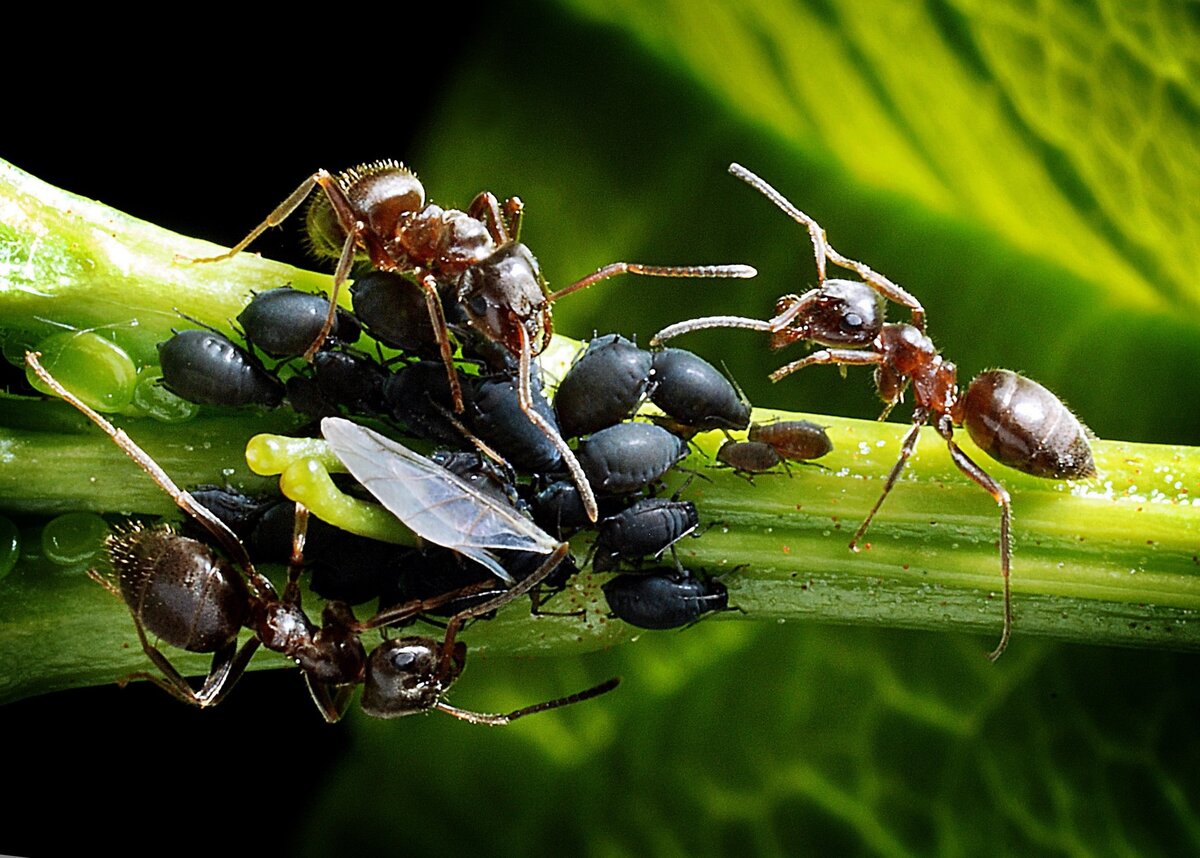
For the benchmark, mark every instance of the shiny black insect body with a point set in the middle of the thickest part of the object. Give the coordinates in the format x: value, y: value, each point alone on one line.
x: 625, y: 458
x: 180, y: 591
x: 646, y: 528
x: 602, y: 387
x: 207, y: 368
x: 695, y: 394
x: 283, y: 322
x: 664, y: 599
x: 494, y: 413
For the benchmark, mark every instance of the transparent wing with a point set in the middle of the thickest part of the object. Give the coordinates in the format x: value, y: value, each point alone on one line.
x: 435, y: 504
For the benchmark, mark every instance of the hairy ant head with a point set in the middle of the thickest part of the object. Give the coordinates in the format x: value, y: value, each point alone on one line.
x: 404, y: 676
x: 504, y: 293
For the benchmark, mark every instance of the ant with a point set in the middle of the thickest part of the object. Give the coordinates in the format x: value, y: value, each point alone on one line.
x: 1013, y: 419
x: 180, y: 591
x: 474, y: 259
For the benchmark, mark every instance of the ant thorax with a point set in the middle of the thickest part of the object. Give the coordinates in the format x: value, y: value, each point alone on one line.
x: 448, y: 241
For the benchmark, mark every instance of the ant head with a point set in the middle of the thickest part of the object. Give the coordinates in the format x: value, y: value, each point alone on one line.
x: 504, y: 293
x: 840, y: 313
x: 379, y: 194
x: 405, y: 676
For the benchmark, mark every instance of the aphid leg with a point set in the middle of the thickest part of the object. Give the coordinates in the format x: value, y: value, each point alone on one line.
x: 486, y: 208
x: 1000, y: 494
x: 719, y: 271
x: 906, y: 448
x: 433, y: 303
x: 229, y: 542
x: 841, y: 357
x: 525, y: 400
x: 275, y: 218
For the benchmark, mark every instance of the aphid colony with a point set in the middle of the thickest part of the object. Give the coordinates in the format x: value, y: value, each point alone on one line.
x: 494, y: 506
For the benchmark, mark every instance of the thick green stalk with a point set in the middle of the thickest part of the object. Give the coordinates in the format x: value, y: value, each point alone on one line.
x: 1113, y: 560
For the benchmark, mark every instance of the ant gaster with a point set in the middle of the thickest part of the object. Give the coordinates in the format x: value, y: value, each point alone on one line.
x: 180, y: 591
x: 378, y: 210
x: 1013, y: 419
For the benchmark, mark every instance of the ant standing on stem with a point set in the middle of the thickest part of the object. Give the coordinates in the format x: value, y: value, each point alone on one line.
x: 180, y: 591
x: 1013, y: 419
x: 474, y: 259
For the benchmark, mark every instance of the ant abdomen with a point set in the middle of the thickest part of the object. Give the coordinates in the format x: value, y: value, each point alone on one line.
x: 1020, y: 423
x: 179, y: 589
x: 381, y: 193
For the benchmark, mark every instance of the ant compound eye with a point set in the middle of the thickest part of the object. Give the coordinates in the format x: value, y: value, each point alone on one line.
x: 403, y: 660
x: 477, y: 306
x: 851, y: 322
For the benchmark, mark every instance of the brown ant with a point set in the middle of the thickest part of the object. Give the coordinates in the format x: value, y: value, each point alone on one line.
x: 378, y: 211
x: 180, y: 591
x: 1013, y: 419
x: 837, y: 313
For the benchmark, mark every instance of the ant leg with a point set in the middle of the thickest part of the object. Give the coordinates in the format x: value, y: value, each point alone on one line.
x: 906, y: 448
x: 275, y: 218
x: 815, y: 232
x: 486, y: 208
x: 331, y: 700
x: 841, y: 357
x: 514, y: 210
x: 354, y: 228
x: 525, y: 401
x: 988, y: 483
x: 719, y: 271
x: 433, y: 303
x: 822, y: 249
x: 229, y: 542
x: 228, y: 664
x: 517, y: 590
x: 291, y: 592
x: 885, y: 287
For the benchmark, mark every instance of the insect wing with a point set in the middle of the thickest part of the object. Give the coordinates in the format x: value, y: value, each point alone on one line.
x: 435, y: 504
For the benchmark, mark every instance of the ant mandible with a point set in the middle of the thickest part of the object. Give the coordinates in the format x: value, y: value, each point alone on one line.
x: 180, y: 591
x: 1013, y: 419
x: 473, y: 258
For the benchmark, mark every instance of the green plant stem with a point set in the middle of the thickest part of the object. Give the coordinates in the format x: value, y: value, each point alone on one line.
x: 1113, y: 560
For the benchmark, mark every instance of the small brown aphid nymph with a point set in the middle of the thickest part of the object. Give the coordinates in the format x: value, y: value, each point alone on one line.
x: 748, y: 458
x: 795, y: 440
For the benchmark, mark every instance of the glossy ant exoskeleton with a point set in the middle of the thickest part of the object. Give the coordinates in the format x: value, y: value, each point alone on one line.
x: 472, y: 258
x: 1013, y: 419
x: 180, y: 591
